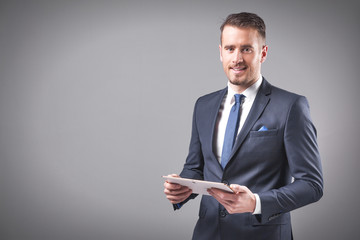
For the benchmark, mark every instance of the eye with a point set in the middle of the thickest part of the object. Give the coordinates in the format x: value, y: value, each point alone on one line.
x: 247, y: 50
x: 230, y: 49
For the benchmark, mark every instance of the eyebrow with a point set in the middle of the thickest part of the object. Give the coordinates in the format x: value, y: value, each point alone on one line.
x: 247, y: 46
x: 242, y: 46
x: 229, y: 46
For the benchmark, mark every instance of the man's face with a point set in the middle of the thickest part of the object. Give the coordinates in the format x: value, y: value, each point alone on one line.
x: 242, y: 51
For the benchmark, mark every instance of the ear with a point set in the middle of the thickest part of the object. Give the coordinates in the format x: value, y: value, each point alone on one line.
x: 264, y: 51
x: 220, y: 50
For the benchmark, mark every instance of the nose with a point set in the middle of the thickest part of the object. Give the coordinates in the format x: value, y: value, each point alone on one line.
x: 237, y: 57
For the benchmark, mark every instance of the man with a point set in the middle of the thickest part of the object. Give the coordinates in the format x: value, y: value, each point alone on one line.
x: 255, y: 137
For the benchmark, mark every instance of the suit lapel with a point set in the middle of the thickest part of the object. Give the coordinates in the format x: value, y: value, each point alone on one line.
x: 260, y: 102
x: 214, y: 118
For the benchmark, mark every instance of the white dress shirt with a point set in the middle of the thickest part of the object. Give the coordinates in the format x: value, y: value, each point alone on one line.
x: 222, y: 119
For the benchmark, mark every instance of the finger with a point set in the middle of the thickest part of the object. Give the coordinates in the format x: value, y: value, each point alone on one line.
x: 238, y: 188
x: 229, y: 205
x: 180, y: 197
x: 172, y: 186
x: 222, y: 194
x: 223, y: 202
x: 173, y: 175
x: 176, y: 192
x: 220, y: 197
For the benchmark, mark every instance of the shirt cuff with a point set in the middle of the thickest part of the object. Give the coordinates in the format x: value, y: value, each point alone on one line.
x: 177, y: 206
x: 257, y: 205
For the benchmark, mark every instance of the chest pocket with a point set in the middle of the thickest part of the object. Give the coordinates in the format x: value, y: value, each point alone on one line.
x: 268, y: 133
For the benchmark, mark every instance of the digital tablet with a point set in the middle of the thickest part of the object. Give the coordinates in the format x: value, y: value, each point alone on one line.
x: 198, y: 186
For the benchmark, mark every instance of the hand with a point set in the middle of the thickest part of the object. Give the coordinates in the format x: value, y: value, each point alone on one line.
x: 241, y: 201
x: 176, y: 193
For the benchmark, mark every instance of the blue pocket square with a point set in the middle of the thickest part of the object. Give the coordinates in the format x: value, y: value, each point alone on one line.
x: 263, y: 128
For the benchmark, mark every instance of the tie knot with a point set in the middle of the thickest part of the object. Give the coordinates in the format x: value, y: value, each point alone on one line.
x: 238, y: 98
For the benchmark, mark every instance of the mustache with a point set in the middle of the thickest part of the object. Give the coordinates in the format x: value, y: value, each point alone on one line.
x: 238, y: 66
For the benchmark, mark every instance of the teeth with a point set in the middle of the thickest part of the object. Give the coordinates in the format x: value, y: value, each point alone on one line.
x: 238, y: 69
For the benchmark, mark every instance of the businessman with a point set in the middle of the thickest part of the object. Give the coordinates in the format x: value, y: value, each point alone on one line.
x: 255, y: 137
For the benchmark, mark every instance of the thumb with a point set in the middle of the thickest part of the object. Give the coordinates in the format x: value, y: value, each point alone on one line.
x: 238, y: 188
x: 174, y: 175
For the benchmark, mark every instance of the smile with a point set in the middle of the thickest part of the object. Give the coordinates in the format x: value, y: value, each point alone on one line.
x: 238, y: 69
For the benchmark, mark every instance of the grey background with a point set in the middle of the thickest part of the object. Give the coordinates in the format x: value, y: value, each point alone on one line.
x: 96, y: 102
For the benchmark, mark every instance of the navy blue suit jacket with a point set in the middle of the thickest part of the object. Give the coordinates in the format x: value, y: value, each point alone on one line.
x: 264, y: 161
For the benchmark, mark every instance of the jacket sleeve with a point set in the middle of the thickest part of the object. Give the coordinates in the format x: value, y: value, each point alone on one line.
x: 193, y: 167
x: 304, y: 163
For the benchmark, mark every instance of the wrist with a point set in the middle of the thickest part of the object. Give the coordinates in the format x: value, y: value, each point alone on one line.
x: 252, y: 203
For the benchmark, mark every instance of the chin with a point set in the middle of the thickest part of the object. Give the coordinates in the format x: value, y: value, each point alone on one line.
x: 237, y: 82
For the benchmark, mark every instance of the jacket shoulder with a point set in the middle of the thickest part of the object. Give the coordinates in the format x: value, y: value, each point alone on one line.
x: 284, y: 94
x: 212, y: 95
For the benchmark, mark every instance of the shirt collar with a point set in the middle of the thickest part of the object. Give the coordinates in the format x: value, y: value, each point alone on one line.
x: 250, y: 92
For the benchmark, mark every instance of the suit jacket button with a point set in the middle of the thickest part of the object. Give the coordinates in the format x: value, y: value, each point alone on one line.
x: 225, y: 182
x: 222, y: 213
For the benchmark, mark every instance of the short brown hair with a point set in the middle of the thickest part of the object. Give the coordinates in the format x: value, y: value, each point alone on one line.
x: 245, y: 20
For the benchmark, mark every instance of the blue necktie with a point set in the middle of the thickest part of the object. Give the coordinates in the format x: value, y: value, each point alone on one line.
x: 231, y: 130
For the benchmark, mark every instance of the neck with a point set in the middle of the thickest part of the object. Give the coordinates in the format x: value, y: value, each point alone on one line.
x: 237, y: 88
x: 240, y: 88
